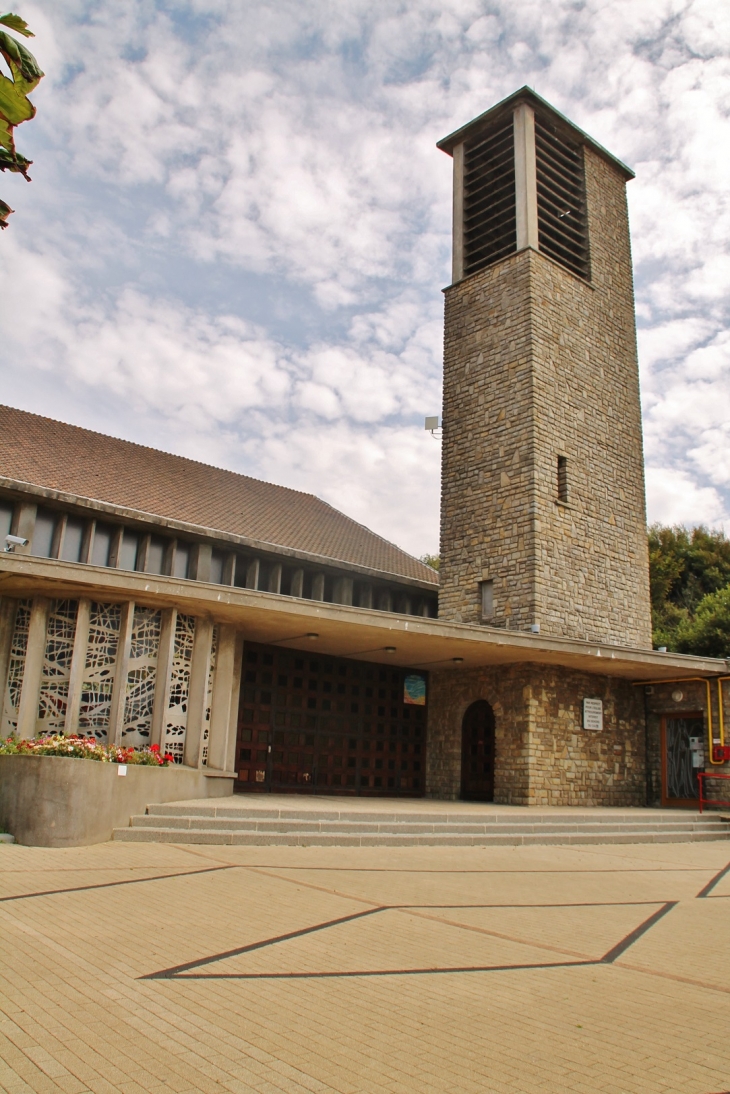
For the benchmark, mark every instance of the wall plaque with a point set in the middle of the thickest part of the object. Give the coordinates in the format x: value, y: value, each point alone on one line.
x: 592, y: 714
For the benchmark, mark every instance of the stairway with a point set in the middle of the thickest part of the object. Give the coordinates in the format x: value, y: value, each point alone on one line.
x: 240, y: 822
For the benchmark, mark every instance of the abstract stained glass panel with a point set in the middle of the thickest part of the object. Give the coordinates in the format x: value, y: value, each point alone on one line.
x: 53, y: 697
x: 176, y: 716
x: 681, y: 775
x: 101, y: 657
x: 209, y: 693
x: 141, y: 678
x: 16, y: 668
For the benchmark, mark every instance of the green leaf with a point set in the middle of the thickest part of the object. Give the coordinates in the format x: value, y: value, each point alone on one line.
x: 17, y: 24
x: 15, y: 106
x: 5, y: 212
x: 21, y: 60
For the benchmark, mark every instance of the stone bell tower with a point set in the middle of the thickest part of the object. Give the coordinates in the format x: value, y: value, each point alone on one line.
x: 543, y: 520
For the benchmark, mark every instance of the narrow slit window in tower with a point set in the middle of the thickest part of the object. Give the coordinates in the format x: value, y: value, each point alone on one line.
x: 563, y: 479
x: 487, y: 596
x: 561, y: 206
x: 490, y: 231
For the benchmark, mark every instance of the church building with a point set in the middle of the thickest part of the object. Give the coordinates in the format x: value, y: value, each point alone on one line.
x: 271, y: 643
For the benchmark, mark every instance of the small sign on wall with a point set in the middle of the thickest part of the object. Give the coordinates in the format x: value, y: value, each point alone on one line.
x: 593, y: 714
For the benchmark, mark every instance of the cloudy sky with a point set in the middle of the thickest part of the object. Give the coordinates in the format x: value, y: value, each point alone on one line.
x: 239, y: 226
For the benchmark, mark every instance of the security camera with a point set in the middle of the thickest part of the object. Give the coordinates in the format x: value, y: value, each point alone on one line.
x: 11, y: 542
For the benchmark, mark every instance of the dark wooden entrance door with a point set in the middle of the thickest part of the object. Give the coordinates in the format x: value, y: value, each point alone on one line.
x: 679, y: 775
x: 477, y: 753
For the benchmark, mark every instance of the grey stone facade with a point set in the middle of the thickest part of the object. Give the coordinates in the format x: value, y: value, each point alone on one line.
x: 539, y: 363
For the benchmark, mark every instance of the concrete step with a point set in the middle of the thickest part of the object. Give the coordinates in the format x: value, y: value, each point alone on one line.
x: 648, y: 834
x: 374, y: 825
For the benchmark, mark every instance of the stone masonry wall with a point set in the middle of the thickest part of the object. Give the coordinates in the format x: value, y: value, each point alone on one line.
x: 539, y: 364
x: 543, y: 755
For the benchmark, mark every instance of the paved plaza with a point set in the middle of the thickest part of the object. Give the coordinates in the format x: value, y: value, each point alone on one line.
x: 148, y: 967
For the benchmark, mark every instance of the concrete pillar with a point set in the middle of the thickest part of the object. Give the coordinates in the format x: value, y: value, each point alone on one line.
x: 143, y: 553
x: 366, y: 596
x: 384, y: 600
x: 198, y: 693
x: 121, y: 669
x: 78, y: 667
x: 318, y: 587
x: 457, y: 258
x: 230, y: 759
x: 8, y: 612
x: 297, y: 583
x: 165, y: 654
x: 168, y: 561
x: 342, y: 593
x: 88, y: 541
x: 229, y: 569
x: 525, y: 178
x: 23, y: 525
x: 220, y: 710
x: 200, y: 557
x: 115, y: 548
x: 30, y: 691
x: 58, y: 533
x: 275, y: 578
x: 252, y: 574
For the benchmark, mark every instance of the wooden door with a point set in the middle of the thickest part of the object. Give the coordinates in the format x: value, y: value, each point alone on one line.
x: 679, y: 777
x: 477, y: 753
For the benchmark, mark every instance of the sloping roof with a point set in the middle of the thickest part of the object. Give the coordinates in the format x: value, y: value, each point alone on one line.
x: 57, y: 456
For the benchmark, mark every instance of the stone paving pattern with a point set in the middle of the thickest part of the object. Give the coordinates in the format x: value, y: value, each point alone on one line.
x: 366, y: 1004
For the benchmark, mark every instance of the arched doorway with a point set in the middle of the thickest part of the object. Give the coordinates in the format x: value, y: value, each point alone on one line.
x: 477, y: 753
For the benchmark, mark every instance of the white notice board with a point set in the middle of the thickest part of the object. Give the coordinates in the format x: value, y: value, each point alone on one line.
x: 592, y: 714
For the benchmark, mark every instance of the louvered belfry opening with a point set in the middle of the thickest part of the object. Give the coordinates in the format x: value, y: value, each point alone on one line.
x: 561, y: 204
x: 490, y: 230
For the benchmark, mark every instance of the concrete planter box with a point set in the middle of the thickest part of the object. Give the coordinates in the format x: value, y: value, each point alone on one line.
x: 54, y: 801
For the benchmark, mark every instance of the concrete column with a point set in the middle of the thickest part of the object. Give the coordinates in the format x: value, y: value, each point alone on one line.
x: 297, y: 583
x: 252, y: 574
x: 121, y: 669
x: 342, y: 593
x: 165, y: 654
x: 275, y: 578
x: 220, y: 710
x: 8, y: 612
x: 200, y: 557
x: 229, y: 569
x: 30, y: 691
x: 366, y: 596
x: 384, y: 600
x: 23, y: 525
x: 525, y: 177
x: 58, y: 533
x: 168, y: 561
x: 143, y: 553
x: 198, y: 693
x: 78, y: 666
x: 115, y: 547
x: 230, y: 760
x: 87, y: 543
x: 318, y: 587
x: 457, y: 258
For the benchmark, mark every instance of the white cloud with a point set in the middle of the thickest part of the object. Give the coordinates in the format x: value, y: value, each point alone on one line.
x: 188, y: 151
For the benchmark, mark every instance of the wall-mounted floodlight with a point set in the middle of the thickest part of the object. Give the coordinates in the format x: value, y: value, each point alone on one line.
x: 432, y: 425
x: 11, y: 542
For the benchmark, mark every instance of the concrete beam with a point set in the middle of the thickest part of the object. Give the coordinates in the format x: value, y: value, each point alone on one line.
x: 198, y: 692
x: 457, y: 254
x: 121, y: 670
x: 78, y: 667
x: 33, y: 672
x: 525, y: 177
x: 220, y: 710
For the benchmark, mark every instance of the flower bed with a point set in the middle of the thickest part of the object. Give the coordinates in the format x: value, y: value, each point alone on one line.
x: 84, y: 748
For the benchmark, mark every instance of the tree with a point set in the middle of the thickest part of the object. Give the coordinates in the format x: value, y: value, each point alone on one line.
x: 15, y: 106
x: 686, y: 570
x: 708, y: 633
x: 431, y: 560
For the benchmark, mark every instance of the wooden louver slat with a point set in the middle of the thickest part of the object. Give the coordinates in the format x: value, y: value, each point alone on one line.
x: 490, y: 230
x: 561, y: 206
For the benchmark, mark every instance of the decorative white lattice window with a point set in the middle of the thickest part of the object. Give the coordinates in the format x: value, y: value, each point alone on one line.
x: 53, y: 696
x: 98, y: 683
x: 141, y: 678
x: 176, y: 716
x: 16, y: 667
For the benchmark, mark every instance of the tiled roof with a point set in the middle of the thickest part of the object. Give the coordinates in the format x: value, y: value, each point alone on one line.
x: 56, y: 456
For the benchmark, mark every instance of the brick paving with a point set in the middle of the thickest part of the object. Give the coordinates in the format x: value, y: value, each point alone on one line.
x: 157, y: 968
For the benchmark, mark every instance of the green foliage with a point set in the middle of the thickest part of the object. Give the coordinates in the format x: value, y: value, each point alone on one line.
x: 83, y: 748
x: 15, y: 106
x: 690, y: 579
x: 431, y: 560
